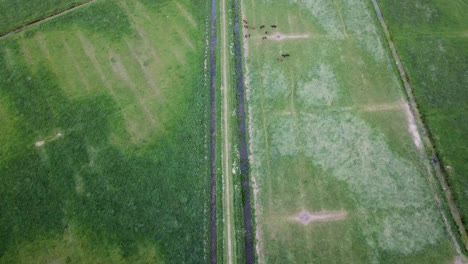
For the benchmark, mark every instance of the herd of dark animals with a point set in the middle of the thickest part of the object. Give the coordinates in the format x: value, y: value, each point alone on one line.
x: 246, y: 26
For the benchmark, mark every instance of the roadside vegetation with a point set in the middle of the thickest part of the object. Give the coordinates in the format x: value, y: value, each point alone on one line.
x: 103, y: 127
x: 432, y: 39
x: 337, y: 164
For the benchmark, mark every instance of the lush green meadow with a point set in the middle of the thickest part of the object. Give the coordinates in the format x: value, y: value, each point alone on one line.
x: 432, y: 39
x: 103, y: 128
x: 336, y: 158
x: 14, y: 14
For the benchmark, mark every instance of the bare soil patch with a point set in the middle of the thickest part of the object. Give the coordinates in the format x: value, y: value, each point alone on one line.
x: 412, y: 127
x: 383, y: 107
x: 48, y: 139
x: 305, y: 217
x: 281, y: 36
x: 460, y: 260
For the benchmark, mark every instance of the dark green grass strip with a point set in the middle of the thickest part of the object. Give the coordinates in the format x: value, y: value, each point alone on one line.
x: 213, y: 224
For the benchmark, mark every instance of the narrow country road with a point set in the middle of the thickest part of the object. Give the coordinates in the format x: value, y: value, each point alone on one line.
x: 227, y: 175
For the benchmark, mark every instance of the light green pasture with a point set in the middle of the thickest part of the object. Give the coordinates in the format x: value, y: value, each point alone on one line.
x: 331, y: 134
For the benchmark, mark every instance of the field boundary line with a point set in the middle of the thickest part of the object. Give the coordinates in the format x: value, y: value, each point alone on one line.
x: 45, y: 19
x: 427, y: 146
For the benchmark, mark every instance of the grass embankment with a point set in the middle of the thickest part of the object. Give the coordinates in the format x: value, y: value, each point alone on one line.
x: 339, y: 172
x: 104, y: 137
x: 234, y: 239
x: 432, y: 39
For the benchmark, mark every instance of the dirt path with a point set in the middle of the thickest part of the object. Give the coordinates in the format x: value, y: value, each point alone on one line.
x: 213, y: 44
x: 428, y: 146
x: 42, y: 20
x: 227, y: 175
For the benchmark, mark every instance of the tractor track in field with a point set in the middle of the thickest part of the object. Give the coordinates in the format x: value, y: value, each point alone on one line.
x: 45, y: 19
x: 428, y: 149
x: 243, y: 153
x: 213, y: 225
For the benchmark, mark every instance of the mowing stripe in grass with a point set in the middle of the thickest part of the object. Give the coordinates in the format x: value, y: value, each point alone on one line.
x: 213, y: 43
x: 428, y: 143
x: 90, y: 52
x: 50, y: 17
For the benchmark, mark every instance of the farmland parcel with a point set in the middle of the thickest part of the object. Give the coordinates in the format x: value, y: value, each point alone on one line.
x: 432, y: 38
x: 337, y: 161
x: 103, y: 128
x: 105, y: 146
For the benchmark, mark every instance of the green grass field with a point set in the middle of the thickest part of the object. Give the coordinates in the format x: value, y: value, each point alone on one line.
x: 16, y: 13
x: 104, y: 131
x: 103, y: 128
x: 432, y: 39
x: 337, y: 165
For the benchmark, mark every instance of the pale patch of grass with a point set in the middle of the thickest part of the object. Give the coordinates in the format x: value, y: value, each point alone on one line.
x: 320, y: 89
x: 360, y: 23
x: 327, y: 15
x: 379, y: 179
x: 283, y: 141
x: 275, y: 83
